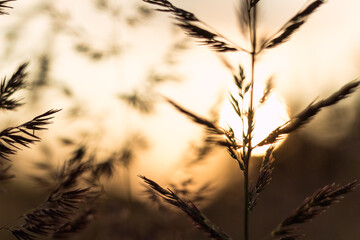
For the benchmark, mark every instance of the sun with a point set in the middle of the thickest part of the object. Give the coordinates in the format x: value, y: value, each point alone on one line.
x: 269, y: 115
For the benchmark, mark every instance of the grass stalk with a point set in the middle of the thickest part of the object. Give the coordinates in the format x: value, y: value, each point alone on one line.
x: 248, y: 136
x: 246, y: 204
x: 239, y: 150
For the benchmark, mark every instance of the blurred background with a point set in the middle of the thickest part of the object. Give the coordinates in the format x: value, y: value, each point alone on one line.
x: 107, y: 64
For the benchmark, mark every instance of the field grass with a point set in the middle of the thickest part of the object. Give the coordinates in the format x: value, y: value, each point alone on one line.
x: 268, y: 197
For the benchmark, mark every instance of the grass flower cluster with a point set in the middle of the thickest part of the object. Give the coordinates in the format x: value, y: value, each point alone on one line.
x: 74, y: 189
x: 240, y: 148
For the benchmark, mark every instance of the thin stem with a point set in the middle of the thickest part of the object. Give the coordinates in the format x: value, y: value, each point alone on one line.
x: 246, y: 205
x: 248, y: 149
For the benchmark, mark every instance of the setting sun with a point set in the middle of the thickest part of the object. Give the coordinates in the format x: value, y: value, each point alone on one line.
x: 133, y: 119
x: 268, y: 115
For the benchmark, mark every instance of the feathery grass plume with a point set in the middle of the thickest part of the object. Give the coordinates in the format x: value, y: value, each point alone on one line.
x: 243, y: 88
x: 8, y: 88
x: 264, y: 178
x: 76, y: 225
x: 242, y: 152
x: 239, y: 80
x: 200, y: 148
x: 4, y: 6
x: 315, y: 205
x: 105, y: 168
x: 141, y: 15
x: 70, y: 204
x: 72, y: 173
x: 235, y: 104
x: 233, y: 146
x: 79, y: 170
x: 309, y: 112
x: 154, y: 198
x: 211, y: 127
x: 183, y: 190
x: 139, y: 101
x: 206, y: 37
x: 189, y: 208
x: 179, y: 13
x: 12, y: 138
x: 292, y: 25
x: 73, y: 170
x: 187, y: 21
x: 22, y: 235
x: 55, y: 217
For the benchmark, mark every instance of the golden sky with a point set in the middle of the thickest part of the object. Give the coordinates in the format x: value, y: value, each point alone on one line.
x: 316, y: 61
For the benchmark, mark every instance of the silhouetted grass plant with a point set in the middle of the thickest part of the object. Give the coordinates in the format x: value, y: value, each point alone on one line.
x: 240, y: 149
x: 74, y: 189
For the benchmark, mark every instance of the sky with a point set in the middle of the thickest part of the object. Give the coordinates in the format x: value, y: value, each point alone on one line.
x: 317, y: 60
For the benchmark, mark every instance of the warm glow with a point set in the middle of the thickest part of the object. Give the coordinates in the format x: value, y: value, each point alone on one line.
x: 268, y: 116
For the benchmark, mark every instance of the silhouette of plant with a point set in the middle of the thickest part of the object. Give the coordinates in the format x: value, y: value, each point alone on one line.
x: 241, y: 149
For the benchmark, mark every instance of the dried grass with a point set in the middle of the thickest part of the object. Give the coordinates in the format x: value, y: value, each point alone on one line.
x: 241, y: 150
x: 74, y: 190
